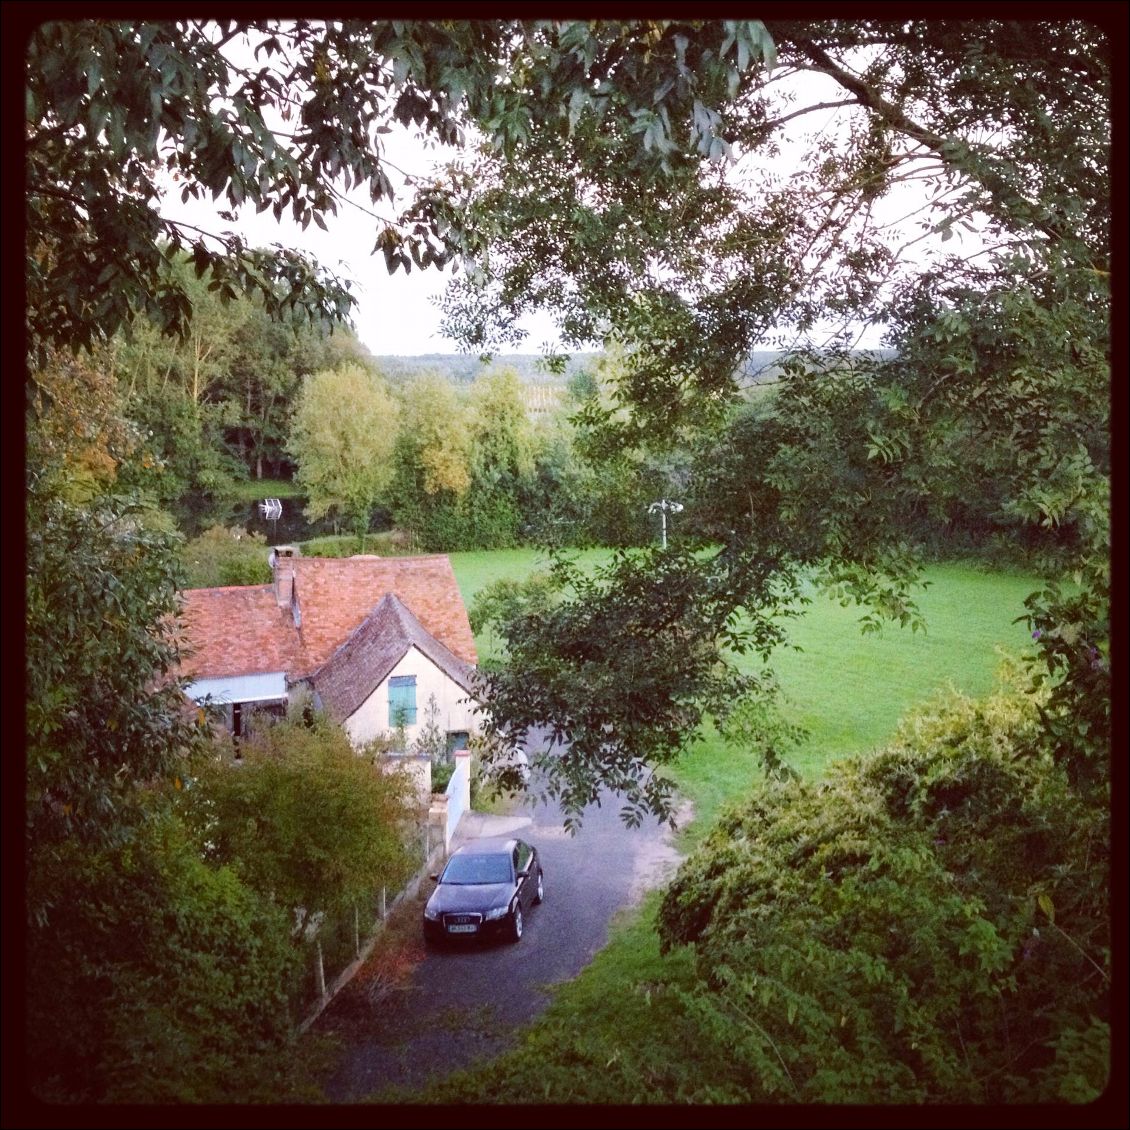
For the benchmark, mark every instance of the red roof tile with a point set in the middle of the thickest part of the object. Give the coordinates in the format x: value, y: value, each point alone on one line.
x: 336, y: 594
x: 238, y: 631
x: 368, y: 657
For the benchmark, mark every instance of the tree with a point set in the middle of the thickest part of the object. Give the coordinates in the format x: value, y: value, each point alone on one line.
x: 342, y: 436
x: 433, y: 456
x: 993, y: 294
x: 929, y: 924
x: 260, y: 387
x: 603, y: 191
x: 269, y: 361
x: 285, y: 115
x: 131, y: 939
x: 305, y: 820
x: 502, y: 459
x: 161, y: 979
x: 78, y: 440
x: 113, y: 112
x: 173, y: 389
x: 103, y: 716
x: 666, y: 612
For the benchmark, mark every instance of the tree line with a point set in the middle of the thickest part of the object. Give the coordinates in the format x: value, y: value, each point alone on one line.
x: 454, y: 465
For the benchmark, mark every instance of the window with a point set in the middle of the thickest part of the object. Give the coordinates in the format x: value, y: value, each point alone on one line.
x: 402, y: 700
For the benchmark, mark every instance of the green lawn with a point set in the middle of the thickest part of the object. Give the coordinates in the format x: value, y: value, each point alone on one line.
x: 620, y: 1032
x: 475, y: 569
x: 849, y: 690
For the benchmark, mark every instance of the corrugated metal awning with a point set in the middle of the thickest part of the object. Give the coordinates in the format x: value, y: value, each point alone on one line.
x: 270, y: 687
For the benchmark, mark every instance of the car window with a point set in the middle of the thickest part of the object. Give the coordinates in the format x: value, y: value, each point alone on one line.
x: 523, y: 855
x: 466, y: 870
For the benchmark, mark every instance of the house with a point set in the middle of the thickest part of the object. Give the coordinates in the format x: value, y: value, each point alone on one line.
x: 369, y: 640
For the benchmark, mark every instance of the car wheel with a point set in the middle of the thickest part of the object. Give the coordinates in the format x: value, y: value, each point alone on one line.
x: 539, y: 895
x: 516, y: 923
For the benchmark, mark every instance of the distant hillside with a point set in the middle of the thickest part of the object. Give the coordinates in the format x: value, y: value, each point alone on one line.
x: 764, y: 366
x: 463, y: 368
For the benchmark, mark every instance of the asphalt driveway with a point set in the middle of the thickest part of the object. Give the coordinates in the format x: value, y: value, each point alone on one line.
x: 459, y: 1005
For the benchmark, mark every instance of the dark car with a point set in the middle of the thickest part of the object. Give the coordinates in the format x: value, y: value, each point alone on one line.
x: 484, y: 891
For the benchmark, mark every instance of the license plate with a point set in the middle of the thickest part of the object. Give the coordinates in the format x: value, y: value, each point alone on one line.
x: 461, y: 929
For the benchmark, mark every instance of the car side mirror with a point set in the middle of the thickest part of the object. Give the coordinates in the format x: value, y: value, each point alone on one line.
x: 434, y: 878
x: 523, y: 873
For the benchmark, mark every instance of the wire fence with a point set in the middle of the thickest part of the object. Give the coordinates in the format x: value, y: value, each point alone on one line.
x: 343, y: 939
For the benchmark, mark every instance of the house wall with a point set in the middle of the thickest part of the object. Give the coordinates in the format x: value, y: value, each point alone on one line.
x: 371, y: 718
x: 418, y: 765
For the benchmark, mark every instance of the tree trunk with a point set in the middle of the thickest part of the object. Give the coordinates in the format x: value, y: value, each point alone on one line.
x: 245, y: 433
x: 319, y: 970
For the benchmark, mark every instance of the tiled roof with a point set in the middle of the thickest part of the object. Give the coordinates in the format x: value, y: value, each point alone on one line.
x: 336, y: 594
x: 241, y: 630
x: 365, y: 660
x: 237, y: 631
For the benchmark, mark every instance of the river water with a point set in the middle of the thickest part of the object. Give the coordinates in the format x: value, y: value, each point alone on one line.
x: 292, y: 526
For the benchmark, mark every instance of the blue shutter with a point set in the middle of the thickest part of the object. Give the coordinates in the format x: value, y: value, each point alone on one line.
x: 402, y: 700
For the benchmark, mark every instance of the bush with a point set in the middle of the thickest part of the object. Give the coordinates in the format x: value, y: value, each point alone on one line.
x: 160, y: 979
x: 305, y: 820
x: 441, y: 776
x: 223, y: 556
x: 927, y: 925
x: 386, y: 543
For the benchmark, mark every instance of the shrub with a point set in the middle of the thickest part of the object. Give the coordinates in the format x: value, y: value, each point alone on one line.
x: 441, y: 776
x: 929, y: 924
x: 162, y: 979
x: 305, y: 820
x: 385, y: 543
x: 223, y: 556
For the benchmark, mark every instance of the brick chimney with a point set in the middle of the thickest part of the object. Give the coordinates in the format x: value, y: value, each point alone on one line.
x: 282, y: 566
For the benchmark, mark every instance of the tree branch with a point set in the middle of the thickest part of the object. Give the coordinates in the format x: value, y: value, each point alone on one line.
x: 810, y: 110
x: 891, y: 114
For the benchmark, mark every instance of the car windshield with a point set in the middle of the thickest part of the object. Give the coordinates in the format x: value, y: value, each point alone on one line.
x: 470, y: 869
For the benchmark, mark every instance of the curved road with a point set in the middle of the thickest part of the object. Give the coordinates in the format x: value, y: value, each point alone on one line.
x: 463, y: 1004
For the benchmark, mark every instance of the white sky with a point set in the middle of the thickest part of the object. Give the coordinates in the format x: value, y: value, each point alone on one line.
x: 399, y: 314
x: 395, y: 314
